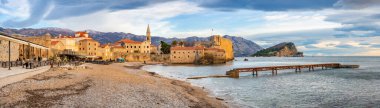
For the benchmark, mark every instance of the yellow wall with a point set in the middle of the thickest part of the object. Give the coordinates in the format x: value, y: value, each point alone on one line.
x: 89, y: 47
x: 223, y: 43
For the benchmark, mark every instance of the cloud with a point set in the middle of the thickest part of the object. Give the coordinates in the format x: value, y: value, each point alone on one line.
x: 266, y: 5
x: 59, y: 9
x: 356, y: 4
x: 359, y: 18
x: 131, y: 21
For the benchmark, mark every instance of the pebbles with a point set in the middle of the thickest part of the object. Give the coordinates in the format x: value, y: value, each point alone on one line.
x: 104, y: 86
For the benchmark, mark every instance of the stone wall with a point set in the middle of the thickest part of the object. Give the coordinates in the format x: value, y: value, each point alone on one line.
x: 137, y: 57
x: 4, y: 48
x: 160, y: 58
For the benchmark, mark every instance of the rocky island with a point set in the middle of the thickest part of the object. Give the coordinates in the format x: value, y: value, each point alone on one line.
x: 285, y: 49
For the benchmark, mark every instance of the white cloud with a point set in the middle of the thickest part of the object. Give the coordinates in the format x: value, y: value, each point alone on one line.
x: 277, y: 22
x: 16, y: 9
x: 131, y: 21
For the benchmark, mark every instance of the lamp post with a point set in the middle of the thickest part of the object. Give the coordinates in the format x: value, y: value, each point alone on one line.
x: 9, y: 55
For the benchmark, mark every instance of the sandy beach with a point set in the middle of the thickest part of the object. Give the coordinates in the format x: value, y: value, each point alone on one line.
x: 115, y: 85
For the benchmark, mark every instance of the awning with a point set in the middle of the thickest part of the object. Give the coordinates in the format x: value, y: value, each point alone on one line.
x: 20, y: 41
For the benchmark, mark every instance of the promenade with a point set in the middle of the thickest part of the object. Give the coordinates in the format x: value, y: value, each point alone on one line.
x: 18, y: 74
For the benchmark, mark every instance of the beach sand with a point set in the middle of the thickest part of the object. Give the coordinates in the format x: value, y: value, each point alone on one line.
x: 115, y: 85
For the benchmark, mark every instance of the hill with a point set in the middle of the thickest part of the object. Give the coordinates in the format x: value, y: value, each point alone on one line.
x: 242, y: 47
x: 285, y: 49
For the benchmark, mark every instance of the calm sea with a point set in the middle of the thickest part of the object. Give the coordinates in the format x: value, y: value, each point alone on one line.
x: 320, y: 88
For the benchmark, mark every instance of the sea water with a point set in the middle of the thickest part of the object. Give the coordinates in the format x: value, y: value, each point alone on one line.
x: 320, y: 88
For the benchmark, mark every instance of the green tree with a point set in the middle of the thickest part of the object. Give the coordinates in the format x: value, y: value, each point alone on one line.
x: 181, y: 43
x: 174, y: 43
x: 165, y: 48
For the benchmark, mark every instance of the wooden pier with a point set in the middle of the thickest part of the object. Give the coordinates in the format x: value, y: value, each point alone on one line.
x: 298, y: 68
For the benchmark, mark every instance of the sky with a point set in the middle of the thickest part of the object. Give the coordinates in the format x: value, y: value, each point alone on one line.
x: 317, y: 27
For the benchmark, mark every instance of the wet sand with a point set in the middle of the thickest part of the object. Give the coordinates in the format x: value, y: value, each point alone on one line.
x: 115, y: 85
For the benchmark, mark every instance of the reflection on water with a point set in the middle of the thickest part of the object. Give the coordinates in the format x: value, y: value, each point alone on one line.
x: 321, y: 88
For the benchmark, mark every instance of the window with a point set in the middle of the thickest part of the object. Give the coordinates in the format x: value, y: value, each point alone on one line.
x: 135, y: 46
x: 147, y: 46
x: 88, y: 48
x: 174, y: 56
x: 174, y: 52
x: 127, y: 46
x: 139, y: 46
x: 188, y: 56
x: 193, y: 51
x: 89, y: 44
x: 95, y: 48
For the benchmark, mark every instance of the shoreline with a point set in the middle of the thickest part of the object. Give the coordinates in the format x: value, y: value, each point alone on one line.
x: 115, y: 85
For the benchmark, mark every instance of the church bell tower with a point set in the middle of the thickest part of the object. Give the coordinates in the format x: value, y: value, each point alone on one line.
x: 148, y: 38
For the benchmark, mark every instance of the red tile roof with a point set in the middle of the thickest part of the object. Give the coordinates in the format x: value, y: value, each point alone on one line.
x: 81, y: 34
x: 128, y: 41
x: 54, y: 42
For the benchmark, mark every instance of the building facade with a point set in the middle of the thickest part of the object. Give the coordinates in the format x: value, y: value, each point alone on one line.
x: 223, y: 43
x: 132, y: 50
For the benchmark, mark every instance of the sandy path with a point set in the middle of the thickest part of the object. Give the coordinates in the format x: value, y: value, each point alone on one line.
x: 113, y: 85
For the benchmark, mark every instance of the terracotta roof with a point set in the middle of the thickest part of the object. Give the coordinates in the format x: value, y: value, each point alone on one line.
x: 187, y: 48
x: 81, y: 34
x: 129, y: 41
x: 54, y: 42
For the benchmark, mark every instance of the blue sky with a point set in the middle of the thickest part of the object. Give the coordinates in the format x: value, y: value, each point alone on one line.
x: 318, y: 27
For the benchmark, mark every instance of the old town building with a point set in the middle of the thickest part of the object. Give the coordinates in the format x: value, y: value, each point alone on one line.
x: 223, y: 43
x: 217, y: 50
x: 14, y: 48
x: 132, y: 50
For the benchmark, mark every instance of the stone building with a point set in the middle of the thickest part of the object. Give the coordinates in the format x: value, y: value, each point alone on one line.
x: 105, y: 52
x: 217, y: 50
x: 20, y: 49
x: 132, y: 50
x: 72, y: 42
x: 218, y: 55
x: 56, y: 48
x: 197, y: 55
x: 89, y: 47
x: 223, y: 43
x: 186, y: 55
x: 44, y: 40
x: 4, y: 49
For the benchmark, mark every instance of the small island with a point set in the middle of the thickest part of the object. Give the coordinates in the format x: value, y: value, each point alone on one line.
x: 285, y: 49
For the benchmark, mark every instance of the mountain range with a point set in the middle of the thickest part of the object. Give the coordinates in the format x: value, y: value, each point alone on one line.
x: 242, y: 47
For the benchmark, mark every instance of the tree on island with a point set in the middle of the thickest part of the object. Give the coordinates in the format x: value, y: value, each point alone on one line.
x: 165, y: 48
